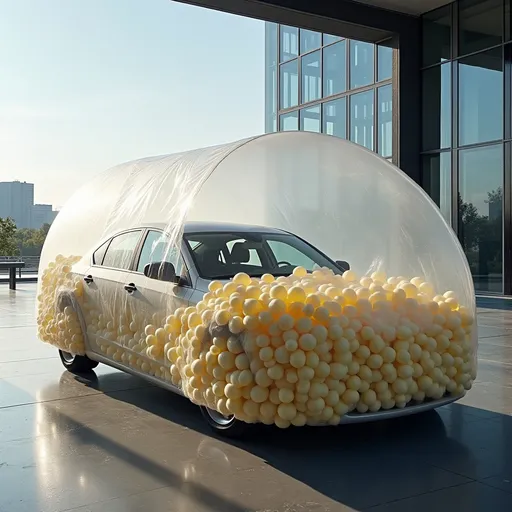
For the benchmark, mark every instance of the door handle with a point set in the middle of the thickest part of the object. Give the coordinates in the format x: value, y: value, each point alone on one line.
x: 130, y: 288
x: 88, y: 279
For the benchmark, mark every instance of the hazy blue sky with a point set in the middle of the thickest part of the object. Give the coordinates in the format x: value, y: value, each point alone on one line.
x: 89, y: 84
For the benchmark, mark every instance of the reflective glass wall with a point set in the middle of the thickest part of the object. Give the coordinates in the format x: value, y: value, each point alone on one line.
x: 467, y: 130
x: 324, y: 83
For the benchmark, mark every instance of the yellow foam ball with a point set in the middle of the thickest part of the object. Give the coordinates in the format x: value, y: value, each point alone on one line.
x: 259, y: 394
x: 298, y: 358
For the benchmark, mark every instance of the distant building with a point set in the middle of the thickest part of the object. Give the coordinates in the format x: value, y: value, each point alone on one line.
x: 16, y: 202
x: 42, y: 214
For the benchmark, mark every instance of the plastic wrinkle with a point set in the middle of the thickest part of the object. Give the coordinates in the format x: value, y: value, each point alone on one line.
x: 398, y: 328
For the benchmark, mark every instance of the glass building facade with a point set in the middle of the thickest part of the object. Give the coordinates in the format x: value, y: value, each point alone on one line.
x: 466, y: 102
x: 346, y: 88
x: 327, y: 84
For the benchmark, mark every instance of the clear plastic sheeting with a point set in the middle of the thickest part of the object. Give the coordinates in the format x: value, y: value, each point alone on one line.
x: 144, y: 266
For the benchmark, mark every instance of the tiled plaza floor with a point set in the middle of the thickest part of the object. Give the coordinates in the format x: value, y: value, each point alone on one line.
x: 113, y: 443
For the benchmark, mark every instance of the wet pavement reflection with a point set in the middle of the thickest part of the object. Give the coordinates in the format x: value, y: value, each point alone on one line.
x: 111, y: 442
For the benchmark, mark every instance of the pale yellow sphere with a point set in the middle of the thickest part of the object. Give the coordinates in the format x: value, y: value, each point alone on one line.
x: 306, y: 373
x: 259, y: 394
x: 262, y: 378
x: 282, y: 355
x: 297, y: 358
x: 242, y: 361
x: 349, y: 276
x: 286, y: 395
x: 266, y: 353
x: 291, y: 345
x: 300, y: 272
x: 312, y: 359
x: 276, y: 372
x: 279, y: 292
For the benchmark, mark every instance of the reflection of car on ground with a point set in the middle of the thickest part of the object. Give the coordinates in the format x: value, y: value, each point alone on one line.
x: 137, y: 270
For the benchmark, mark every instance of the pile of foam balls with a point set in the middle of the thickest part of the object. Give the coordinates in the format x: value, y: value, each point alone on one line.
x: 296, y: 350
x: 58, y: 324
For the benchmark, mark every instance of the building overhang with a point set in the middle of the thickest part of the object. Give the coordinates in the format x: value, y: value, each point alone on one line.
x: 365, y: 20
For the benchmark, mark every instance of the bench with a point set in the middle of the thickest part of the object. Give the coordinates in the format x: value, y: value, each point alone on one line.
x: 12, y: 266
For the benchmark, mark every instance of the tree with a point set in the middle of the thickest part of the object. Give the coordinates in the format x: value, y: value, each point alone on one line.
x: 30, y: 241
x: 8, y: 245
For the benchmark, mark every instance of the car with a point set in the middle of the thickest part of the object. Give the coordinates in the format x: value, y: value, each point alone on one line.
x: 135, y: 273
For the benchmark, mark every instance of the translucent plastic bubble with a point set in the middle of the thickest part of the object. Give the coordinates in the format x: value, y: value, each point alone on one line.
x: 306, y: 348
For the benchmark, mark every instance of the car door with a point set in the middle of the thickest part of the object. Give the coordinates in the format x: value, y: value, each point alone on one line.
x: 104, y: 295
x: 151, y: 300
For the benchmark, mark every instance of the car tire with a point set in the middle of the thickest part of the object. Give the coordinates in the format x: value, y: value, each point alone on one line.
x: 222, y: 425
x: 77, y: 364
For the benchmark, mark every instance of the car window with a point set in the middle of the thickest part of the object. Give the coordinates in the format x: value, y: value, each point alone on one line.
x: 221, y: 255
x: 156, y: 249
x: 254, y: 259
x: 121, y: 250
x: 99, y: 254
x: 284, y: 252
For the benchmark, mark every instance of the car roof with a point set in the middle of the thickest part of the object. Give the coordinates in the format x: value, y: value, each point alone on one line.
x: 216, y: 227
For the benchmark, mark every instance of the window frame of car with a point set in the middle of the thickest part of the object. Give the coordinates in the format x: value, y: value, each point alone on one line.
x: 268, y: 251
x: 185, y: 278
x: 109, y: 242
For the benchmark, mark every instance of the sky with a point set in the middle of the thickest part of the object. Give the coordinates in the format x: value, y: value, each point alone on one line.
x: 88, y: 85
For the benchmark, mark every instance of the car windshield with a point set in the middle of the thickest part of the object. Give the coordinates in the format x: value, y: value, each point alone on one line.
x: 222, y: 255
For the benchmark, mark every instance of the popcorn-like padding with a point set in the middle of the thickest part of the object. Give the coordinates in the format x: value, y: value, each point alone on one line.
x: 58, y: 322
x: 296, y: 350
x: 308, y: 348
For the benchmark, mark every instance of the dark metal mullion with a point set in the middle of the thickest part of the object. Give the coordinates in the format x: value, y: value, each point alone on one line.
x: 375, y: 101
x: 507, y: 221
x: 313, y: 103
x: 278, y: 79
x: 348, y: 105
x: 455, y: 117
x: 395, y: 102
x: 507, y: 166
x: 506, y: 20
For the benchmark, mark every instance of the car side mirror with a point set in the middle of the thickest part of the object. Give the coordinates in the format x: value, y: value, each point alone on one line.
x: 342, y: 265
x: 161, y: 270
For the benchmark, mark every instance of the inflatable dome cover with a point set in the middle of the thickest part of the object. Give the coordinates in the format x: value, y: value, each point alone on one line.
x: 408, y: 298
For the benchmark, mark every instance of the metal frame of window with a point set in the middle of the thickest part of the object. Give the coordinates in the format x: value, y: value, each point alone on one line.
x: 345, y: 94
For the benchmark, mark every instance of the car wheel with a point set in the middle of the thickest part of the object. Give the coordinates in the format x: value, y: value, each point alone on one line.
x: 227, y: 426
x: 77, y: 364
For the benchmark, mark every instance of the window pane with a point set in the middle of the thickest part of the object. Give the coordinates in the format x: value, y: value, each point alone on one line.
x: 156, y: 249
x: 289, y: 48
x: 334, y: 118
x: 480, y: 24
x: 384, y: 62
x: 437, y: 181
x: 121, y: 250
x: 361, y: 119
x: 481, y: 98
x: 361, y: 64
x: 310, y: 119
x: 480, y: 207
x: 284, y: 252
x: 328, y: 39
x: 309, y: 40
x: 289, y: 84
x: 437, y: 107
x: 99, y: 254
x: 385, y: 120
x: 289, y: 122
x: 437, y: 36
x: 335, y: 69
x: 311, y: 80
x: 271, y: 30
